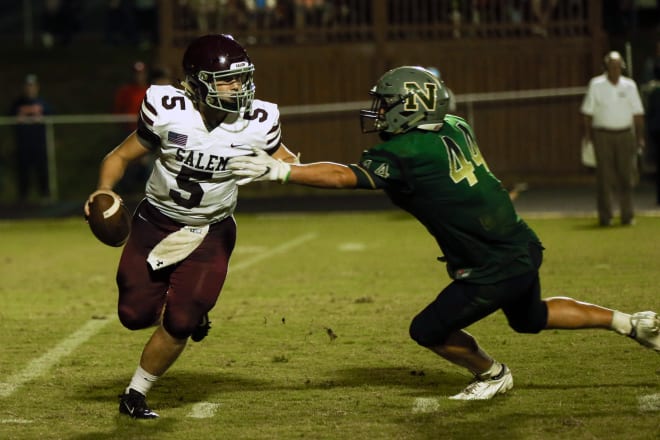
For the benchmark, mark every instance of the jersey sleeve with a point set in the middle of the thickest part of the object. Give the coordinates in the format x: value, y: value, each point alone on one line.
x: 365, y: 179
x: 269, y: 114
x: 380, y: 169
x: 274, y: 138
x: 147, y: 118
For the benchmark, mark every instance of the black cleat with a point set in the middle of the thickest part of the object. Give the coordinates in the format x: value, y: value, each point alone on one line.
x: 202, y: 329
x: 134, y: 404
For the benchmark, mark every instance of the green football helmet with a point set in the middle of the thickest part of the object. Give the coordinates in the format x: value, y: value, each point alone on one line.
x: 404, y: 98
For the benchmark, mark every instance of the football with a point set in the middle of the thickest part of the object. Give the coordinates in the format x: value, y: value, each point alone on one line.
x: 109, y: 219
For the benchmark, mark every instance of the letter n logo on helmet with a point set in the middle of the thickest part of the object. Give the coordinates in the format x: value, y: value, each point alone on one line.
x: 417, y: 95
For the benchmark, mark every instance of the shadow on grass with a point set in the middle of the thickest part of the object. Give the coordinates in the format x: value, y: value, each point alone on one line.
x: 500, y: 419
x: 438, y: 383
x: 178, y: 389
x: 175, y: 389
x: 451, y: 419
x: 127, y: 428
x: 434, y: 382
x: 181, y: 388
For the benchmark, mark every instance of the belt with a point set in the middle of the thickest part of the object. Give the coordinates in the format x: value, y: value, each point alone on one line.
x: 609, y: 130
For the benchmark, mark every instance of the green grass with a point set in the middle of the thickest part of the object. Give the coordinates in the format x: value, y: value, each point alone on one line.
x: 270, y: 363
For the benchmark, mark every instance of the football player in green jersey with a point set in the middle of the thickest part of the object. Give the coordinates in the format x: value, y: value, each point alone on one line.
x: 430, y: 165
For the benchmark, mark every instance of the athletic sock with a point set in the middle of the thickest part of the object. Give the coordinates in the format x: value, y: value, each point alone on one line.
x: 621, y: 323
x: 142, y: 381
x: 494, y: 370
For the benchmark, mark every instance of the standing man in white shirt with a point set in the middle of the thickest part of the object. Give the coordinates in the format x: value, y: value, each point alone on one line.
x: 614, y: 122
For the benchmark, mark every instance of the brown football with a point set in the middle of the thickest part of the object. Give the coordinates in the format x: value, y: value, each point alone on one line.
x: 109, y: 220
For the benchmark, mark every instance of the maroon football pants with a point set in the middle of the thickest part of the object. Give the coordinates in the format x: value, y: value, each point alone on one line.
x: 181, y: 293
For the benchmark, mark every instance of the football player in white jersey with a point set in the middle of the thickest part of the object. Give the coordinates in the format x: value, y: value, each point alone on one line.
x: 175, y: 262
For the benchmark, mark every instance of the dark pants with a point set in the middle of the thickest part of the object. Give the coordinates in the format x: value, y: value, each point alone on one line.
x: 32, y: 160
x: 461, y: 304
x: 616, y: 173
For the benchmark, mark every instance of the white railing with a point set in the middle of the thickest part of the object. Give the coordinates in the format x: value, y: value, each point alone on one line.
x: 467, y: 101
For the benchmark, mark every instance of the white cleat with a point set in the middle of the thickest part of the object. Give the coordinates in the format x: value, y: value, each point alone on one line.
x: 646, y: 329
x: 484, y: 389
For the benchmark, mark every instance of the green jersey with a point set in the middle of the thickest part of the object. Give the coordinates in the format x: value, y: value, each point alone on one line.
x: 441, y: 178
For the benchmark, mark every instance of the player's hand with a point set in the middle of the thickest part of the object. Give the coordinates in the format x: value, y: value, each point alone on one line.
x: 92, y: 195
x: 260, y: 166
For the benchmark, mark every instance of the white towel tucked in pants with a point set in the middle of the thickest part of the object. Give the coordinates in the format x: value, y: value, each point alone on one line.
x: 176, y: 246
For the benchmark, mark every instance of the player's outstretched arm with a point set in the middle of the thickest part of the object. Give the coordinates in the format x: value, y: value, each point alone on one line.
x: 261, y: 166
x: 323, y: 175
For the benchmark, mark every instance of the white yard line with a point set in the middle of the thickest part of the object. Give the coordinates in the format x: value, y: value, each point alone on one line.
x: 203, y: 410
x: 39, y: 366
x: 276, y: 250
x: 352, y: 247
x: 650, y: 402
x: 423, y: 405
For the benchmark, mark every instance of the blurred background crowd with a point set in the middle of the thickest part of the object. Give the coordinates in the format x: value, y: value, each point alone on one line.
x: 93, y: 59
x: 135, y: 22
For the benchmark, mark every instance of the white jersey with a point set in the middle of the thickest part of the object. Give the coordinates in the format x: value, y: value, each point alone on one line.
x: 612, y: 106
x: 189, y: 182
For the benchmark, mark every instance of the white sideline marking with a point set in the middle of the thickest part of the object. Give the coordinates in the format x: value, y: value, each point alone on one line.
x: 650, y: 402
x: 39, y: 366
x: 352, y: 247
x: 203, y: 410
x: 276, y: 250
x: 250, y: 249
x: 15, y: 421
x: 425, y: 405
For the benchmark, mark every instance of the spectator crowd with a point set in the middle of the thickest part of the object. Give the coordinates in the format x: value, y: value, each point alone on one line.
x: 135, y: 22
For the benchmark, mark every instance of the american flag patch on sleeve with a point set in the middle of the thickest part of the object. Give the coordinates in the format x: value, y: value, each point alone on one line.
x: 177, y: 138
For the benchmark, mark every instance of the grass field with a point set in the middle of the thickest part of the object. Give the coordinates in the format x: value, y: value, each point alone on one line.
x: 310, y: 339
